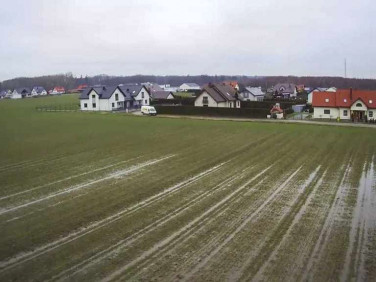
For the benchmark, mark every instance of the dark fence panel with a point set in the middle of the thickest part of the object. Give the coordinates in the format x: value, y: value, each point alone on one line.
x: 268, y: 104
x: 185, y: 101
x: 207, y: 111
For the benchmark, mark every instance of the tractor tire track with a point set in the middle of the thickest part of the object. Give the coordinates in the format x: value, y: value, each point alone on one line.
x: 163, y: 243
x: 67, y: 178
x: 296, y: 219
x: 144, y: 231
x: 189, y: 275
x: 325, y: 230
x: 120, y: 173
x: 24, y: 257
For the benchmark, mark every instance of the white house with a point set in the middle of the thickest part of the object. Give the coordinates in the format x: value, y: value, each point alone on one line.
x: 218, y: 95
x: 38, y: 91
x: 345, y: 104
x: 139, y: 93
x: 319, y: 89
x: 112, y: 98
x: 252, y: 94
x: 189, y: 86
x: 5, y: 94
x: 20, y: 93
x: 285, y: 90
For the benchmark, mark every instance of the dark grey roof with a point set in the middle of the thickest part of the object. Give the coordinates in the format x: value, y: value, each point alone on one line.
x: 104, y: 92
x: 220, y: 92
x: 39, y: 89
x: 161, y: 94
x: 288, y: 87
x: 132, y: 89
x: 23, y: 90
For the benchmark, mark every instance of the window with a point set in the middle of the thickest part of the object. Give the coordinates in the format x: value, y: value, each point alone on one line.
x: 327, y: 100
x: 345, y: 113
x: 326, y: 112
x: 142, y: 95
x: 94, y: 105
x: 116, y: 97
x: 370, y: 114
x: 93, y: 96
x: 358, y: 105
x: 113, y: 105
x: 205, y: 100
x: 146, y: 102
x: 85, y: 105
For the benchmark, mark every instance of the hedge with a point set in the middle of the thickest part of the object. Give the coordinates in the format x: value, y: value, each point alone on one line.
x: 185, y: 101
x: 208, y: 111
x: 266, y: 104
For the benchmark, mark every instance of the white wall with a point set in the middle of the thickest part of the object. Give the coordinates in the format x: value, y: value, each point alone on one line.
x: 213, y: 103
x: 16, y: 95
x: 186, y: 87
x: 318, y: 112
x: 102, y: 104
x: 363, y: 107
x: 143, y: 101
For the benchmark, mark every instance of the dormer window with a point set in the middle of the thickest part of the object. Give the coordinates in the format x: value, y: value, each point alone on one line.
x: 327, y: 100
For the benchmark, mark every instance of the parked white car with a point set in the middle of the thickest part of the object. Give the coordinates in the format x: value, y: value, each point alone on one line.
x: 148, y: 110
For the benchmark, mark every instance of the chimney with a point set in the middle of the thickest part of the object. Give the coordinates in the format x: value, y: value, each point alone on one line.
x: 350, y: 93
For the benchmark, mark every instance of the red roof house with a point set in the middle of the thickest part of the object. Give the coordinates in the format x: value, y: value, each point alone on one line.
x: 345, y: 104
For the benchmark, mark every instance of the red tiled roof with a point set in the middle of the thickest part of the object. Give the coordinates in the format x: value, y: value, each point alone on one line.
x: 344, y: 99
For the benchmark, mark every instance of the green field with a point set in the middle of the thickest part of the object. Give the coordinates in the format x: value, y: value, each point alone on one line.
x: 102, y: 196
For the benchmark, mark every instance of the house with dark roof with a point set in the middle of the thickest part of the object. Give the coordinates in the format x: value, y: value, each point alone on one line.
x: 247, y: 93
x: 112, y: 98
x: 139, y: 93
x: 189, y: 86
x: 158, y: 95
x: 345, y: 104
x: 20, y: 93
x: 284, y: 90
x: 5, y: 94
x: 38, y: 91
x: 218, y: 95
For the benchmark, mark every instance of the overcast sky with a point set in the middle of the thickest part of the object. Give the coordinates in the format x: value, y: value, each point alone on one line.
x: 161, y: 37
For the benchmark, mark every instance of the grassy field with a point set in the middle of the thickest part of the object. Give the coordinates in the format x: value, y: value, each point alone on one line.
x: 102, y: 196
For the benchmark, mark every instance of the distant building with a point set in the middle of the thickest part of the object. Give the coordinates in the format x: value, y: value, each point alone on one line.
x: 5, y: 94
x: 218, y: 95
x: 112, y: 98
x: 319, y: 89
x: 345, y: 104
x: 189, y: 86
x: 168, y: 87
x: 251, y: 93
x: 234, y: 84
x: 57, y: 90
x: 20, y: 93
x: 38, y: 91
x: 157, y: 95
x: 285, y: 90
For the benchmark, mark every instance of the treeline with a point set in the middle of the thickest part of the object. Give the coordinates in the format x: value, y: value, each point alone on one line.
x: 68, y: 81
